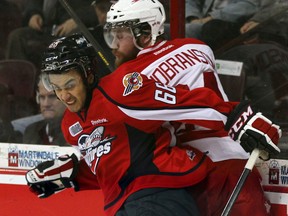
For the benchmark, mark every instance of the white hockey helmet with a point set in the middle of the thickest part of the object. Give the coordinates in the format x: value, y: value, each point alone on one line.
x: 138, y: 15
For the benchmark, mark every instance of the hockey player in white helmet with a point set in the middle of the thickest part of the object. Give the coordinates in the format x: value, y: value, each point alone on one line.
x: 139, y: 21
x: 134, y: 31
x: 123, y: 125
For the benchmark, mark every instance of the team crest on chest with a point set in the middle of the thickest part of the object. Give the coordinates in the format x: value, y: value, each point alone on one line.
x: 132, y: 81
x: 93, y: 146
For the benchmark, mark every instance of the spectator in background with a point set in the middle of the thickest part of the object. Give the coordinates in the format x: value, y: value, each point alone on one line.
x: 213, y: 21
x: 101, y: 8
x: 45, y: 20
x: 7, y: 133
x: 10, y: 19
x: 273, y: 19
x: 263, y: 51
x: 48, y: 130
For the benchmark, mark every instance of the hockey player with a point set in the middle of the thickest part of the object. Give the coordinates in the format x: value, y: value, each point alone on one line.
x: 135, y: 29
x: 121, y: 126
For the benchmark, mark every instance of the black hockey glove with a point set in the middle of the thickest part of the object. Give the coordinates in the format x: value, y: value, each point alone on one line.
x: 53, y: 176
x: 253, y: 130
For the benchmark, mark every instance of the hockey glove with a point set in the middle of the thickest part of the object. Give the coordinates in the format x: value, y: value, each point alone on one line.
x: 53, y: 176
x: 253, y: 130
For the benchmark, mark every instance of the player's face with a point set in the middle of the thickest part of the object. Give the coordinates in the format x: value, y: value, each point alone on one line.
x: 122, y: 45
x: 70, y: 89
x: 50, y: 106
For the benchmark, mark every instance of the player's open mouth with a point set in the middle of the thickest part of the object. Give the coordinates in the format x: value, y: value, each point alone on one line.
x: 70, y: 104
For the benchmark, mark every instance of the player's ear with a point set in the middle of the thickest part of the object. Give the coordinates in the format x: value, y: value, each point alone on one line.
x: 144, y: 40
x: 90, y: 78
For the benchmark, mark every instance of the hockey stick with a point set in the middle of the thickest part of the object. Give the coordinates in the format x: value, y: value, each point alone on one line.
x: 86, y: 33
x: 248, y: 168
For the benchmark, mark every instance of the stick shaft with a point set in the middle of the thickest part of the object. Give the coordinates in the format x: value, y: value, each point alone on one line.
x: 87, y: 34
x: 248, y: 167
x: 235, y: 192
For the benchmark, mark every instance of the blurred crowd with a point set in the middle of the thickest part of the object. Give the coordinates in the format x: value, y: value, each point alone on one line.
x: 253, y: 32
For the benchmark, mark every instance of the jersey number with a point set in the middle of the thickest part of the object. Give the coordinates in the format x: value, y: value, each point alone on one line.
x: 165, y: 94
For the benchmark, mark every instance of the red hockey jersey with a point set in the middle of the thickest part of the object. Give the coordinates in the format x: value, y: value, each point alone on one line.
x: 191, y: 63
x: 125, y: 142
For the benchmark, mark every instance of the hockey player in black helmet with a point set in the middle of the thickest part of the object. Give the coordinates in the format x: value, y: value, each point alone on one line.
x: 72, y: 52
x: 121, y: 126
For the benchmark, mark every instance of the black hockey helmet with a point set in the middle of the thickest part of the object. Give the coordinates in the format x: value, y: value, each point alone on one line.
x: 66, y: 53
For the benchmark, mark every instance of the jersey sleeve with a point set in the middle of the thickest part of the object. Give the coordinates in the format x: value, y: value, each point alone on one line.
x: 144, y: 99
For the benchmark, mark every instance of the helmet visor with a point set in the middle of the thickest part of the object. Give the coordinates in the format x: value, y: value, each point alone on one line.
x: 117, y: 33
x: 58, y: 69
x: 46, y: 82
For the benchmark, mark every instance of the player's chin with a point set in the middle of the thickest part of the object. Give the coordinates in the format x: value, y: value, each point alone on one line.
x: 74, y: 107
x: 48, y: 114
x: 119, y: 61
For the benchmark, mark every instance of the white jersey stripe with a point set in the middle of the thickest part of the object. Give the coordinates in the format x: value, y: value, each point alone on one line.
x: 176, y: 114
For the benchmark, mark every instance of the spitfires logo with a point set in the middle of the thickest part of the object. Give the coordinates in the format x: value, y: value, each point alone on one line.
x: 132, y: 81
x: 94, y: 146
